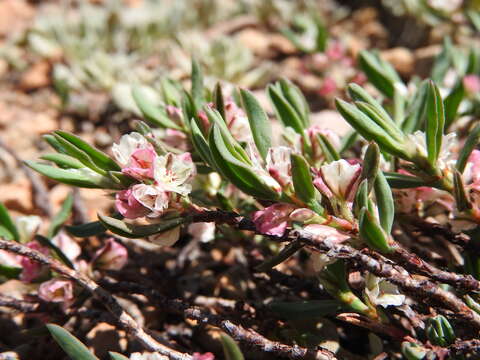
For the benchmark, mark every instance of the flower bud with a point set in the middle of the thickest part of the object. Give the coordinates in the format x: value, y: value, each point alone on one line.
x: 112, y: 256
x: 56, y: 291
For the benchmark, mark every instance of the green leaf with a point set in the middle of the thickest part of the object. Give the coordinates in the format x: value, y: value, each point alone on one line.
x: 327, y: 148
x: 296, y: 99
x: 230, y: 348
x: 80, y: 155
x: 385, y: 123
x: 371, y: 163
x: 100, y: 159
x: 259, y: 122
x: 85, y: 230
x: 303, y: 310
x: 70, y: 344
x: 348, y: 141
x: 240, y: 174
x: 439, y: 331
x: 284, y: 111
x: 472, y: 141
x: 62, y: 216
x: 283, y: 255
x: 200, y: 144
x: 369, y: 129
x: 401, y: 181
x: 413, y: 351
x: 10, y: 272
x: 219, y: 102
x: 116, y: 356
x: 371, y: 232
x: 7, y: 223
x: 77, y: 177
x: 380, y: 73
x: 385, y: 203
x: 442, y: 61
x: 139, y: 231
x: 416, y: 110
x: 435, y: 122
x: 171, y: 91
x: 197, y: 84
x: 152, y: 113
x: 302, y: 179
x: 53, y: 142
x: 452, y: 102
x: 64, y: 161
x: 461, y: 198
x: 56, y: 250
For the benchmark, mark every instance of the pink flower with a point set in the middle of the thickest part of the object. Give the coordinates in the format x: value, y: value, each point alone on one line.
x: 56, y: 291
x: 237, y: 122
x: 174, y: 113
x: 128, y: 205
x: 335, y: 51
x: 205, y: 356
x: 140, y: 165
x: 329, y: 86
x: 325, y: 232
x: 273, y: 220
x: 33, y: 269
x: 313, y: 132
x: 68, y: 246
x: 472, y: 83
x: 112, y: 256
x: 279, y: 166
x: 176, y: 139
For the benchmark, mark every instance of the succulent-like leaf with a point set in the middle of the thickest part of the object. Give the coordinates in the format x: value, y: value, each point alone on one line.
x: 7, y: 226
x: 83, y: 177
x: 197, y: 84
x: 85, y: 230
x: 62, y: 216
x: 100, y: 159
x: 413, y: 351
x: 302, y: 179
x: 240, y: 174
x: 380, y: 73
x: 259, y: 122
x: 230, y: 348
x: 64, y: 161
x: 461, y: 198
x: 372, y: 233
x: 452, y: 103
x: 284, y: 110
x: 385, y: 203
x: 219, y: 101
x: 371, y: 163
x: 401, y: 181
x: 139, y: 231
x: 439, y: 331
x: 152, y: 113
x: 472, y: 141
x: 70, y: 344
x: 283, y: 255
x: 296, y: 99
x: 435, y: 122
x: 327, y: 149
x: 416, y: 110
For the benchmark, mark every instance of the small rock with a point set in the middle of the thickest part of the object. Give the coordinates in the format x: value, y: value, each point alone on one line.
x: 37, y: 76
x: 401, y: 58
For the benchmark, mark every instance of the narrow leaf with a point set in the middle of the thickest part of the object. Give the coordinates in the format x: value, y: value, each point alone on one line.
x: 283, y: 255
x: 401, y: 181
x: 302, y: 179
x: 372, y: 233
x: 259, y: 122
x: 435, y: 122
x: 62, y: 216
x: 197, y: 84
x: 56, y: 250
x: 70, y: 344
x: 85, y: 230
x: 219, y: 102
x: 7, y: 222
x: 64, y: 161
x: 100, y: 159
x: 461, y: 198
x: 327, y: 148
x: 385, y: 203
x: 452, y: 103
x: 284, y: 111
x: 138, y: 231
x: 472, y: 141
x: 230, y: 348
x: 371, y: 163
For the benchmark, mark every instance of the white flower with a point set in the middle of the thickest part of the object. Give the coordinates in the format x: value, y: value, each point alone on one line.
x: 340, y: 176
x: 445, y: 5
x: 449, y: 141
x: 172, y: 172
x: 127, y: 146
x: 202, y: 231
x: 259, y: 170
x: 68, y: 246
x: 9, y: 259
x: 153, y: 197
x: 27, y: 227
x: 381, y: 292
x: 279, y: 165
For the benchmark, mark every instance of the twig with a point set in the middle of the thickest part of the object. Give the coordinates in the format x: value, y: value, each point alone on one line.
x: 375, y: 326
x: 247, y: 336
x: 124, y: 319
x: 466, y: 347
x: 21, y: 305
